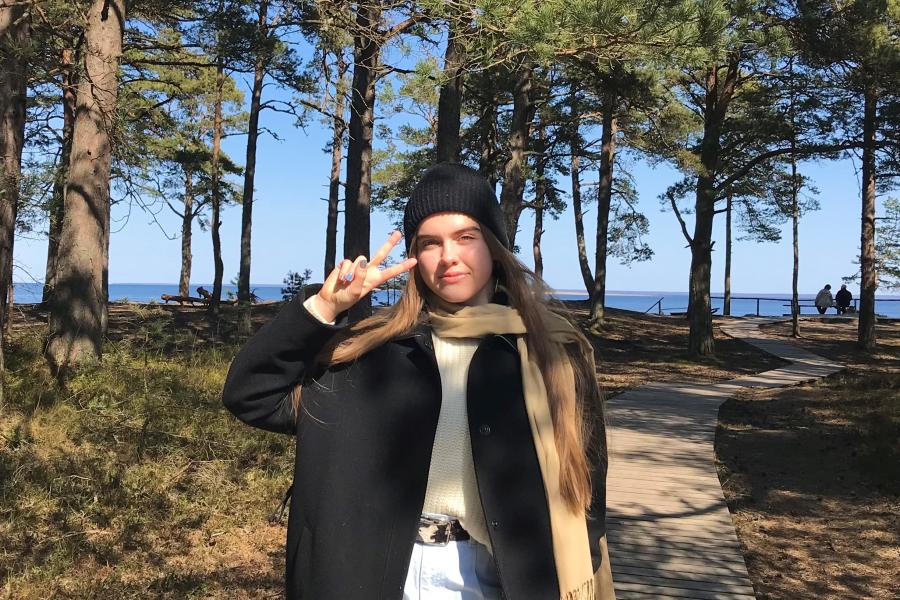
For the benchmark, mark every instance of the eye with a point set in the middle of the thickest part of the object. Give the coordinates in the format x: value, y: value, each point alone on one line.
x: 468, y: 237
x: 427, y: 243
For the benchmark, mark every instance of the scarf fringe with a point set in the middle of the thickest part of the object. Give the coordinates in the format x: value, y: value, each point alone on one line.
x: 583, y: 592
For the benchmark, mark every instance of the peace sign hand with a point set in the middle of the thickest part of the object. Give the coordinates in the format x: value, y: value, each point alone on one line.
x: 351, y: 281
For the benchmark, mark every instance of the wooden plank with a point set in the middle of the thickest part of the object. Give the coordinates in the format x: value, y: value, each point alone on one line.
x: 631, y: 595
x: 707, y: 577
x: 682, y: 584
x: 704, y: 569
x: 659, y: 503
x: 697, y: 564
x: 632, y: 487
x: 619, y: 473
x: 676, y: 552
x: 700, y: 538
x: 694, y: 564
x: 709, y: 523
x: 624, y: 492
x: 677, y: 592
x: 692, y: 525
x: 661, y: 527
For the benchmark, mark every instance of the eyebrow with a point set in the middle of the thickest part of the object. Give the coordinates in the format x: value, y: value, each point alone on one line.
x: 473, y: 228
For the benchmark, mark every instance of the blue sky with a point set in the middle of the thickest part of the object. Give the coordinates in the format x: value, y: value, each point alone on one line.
x: 289, y: 230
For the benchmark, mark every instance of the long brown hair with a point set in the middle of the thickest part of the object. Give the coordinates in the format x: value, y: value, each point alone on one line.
x: 577, y: 410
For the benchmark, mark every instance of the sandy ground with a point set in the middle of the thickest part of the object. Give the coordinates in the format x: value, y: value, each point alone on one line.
x: 812, y: 473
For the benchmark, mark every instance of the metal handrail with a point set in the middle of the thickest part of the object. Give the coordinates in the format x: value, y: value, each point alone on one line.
x: 658, y: 304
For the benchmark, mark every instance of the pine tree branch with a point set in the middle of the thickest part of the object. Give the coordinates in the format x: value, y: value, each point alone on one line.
x: 681, y: 222
x: 809, y: 150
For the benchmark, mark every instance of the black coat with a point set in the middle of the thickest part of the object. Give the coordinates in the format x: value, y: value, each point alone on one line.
x: 843, y: 297
x: 364, y: 442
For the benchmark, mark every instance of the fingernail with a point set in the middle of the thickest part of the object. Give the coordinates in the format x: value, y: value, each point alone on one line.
x: 349, y: 276
x: 363, y: 263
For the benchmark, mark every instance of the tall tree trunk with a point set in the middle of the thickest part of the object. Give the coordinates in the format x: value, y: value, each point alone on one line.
x: 487, y: 125
x: 513, y: 175
x: 795, y: 219
x: 718, y: 96
x: 358, y: 194
x: 450, y: 101
x: 15, y: 32
x: 187, y: 220
x: 868, y: 283
x: 586, y: 275
x: 79, y: 307
x: 216, y: 191
x: 726, y: 309
x: 604, y: 202
x: 339, y: 127
x: 540, y: 196
x: 57, y: 201
x: 795, y: 239
x: 700, y: 339
x: 575, y: 172
x: 259, y: 74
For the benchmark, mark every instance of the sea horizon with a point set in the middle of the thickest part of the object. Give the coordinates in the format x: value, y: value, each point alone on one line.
x: 566, y: 291
x: 642, y: 301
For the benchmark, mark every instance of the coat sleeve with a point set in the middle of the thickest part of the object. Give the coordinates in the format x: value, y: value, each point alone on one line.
x: 266, y: 369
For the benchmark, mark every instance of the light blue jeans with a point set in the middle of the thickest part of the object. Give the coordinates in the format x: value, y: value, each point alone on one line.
x: 458, y: 571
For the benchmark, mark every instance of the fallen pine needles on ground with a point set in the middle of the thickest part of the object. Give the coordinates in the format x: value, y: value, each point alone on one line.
x: 812, y: 473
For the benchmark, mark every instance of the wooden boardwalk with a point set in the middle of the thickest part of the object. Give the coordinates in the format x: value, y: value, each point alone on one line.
x: 670, y: 533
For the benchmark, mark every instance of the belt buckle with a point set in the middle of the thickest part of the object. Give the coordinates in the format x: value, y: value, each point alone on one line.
x: 437, y: 529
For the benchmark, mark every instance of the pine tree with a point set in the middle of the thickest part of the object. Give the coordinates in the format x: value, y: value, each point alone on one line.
x: 15, y: 42
x: 857, y: 43
x: 79, y: 315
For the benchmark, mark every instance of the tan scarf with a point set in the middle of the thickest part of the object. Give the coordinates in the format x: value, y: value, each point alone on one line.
x: 571, y: 547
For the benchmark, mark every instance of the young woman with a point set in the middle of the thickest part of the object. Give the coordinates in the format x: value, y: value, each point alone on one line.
x: 450, y: 446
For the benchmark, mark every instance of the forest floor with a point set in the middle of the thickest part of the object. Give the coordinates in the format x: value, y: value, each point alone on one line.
x: 812, y: 473
x: 134, y: 482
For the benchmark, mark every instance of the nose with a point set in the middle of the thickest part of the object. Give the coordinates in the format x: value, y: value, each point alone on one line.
x: 448, y: 253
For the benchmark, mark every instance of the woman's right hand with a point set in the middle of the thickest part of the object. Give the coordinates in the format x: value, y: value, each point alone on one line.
x: 349, y: 282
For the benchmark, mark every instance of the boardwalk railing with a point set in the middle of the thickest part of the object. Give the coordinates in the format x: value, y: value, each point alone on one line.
x: 657, y: 305
x: 789, y: 300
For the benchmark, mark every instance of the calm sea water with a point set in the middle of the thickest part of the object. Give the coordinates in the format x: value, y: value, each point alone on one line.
x: 769, y: 305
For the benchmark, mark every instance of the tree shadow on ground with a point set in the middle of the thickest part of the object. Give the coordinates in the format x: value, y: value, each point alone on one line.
x: 812, y: 477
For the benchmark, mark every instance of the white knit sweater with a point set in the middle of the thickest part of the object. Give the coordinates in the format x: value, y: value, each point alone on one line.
x: 452, y: 489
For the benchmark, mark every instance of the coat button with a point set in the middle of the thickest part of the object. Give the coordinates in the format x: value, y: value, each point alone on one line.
x: 485, y: 430
x: 495, y: 524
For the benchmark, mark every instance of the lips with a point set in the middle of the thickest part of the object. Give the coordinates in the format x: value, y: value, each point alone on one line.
x: 452, y: 277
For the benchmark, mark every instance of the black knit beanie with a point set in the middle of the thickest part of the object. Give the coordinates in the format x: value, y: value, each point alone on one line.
x: 448, y: 187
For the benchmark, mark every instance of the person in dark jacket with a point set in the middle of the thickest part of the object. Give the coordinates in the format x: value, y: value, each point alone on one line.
x: 451, y: 445
x: 843, y: 299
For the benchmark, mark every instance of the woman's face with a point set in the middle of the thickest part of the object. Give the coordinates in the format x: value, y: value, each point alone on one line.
x: 454, y: 259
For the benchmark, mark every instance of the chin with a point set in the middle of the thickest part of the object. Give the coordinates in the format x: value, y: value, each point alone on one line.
x: 455, y: 297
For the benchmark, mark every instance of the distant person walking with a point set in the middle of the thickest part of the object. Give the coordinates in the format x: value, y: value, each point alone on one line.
x: 824, y: 299
x: 843, y: 299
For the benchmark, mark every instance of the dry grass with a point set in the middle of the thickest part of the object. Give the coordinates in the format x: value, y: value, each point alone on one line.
x: 812, y: 474
x: 133, y: 482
